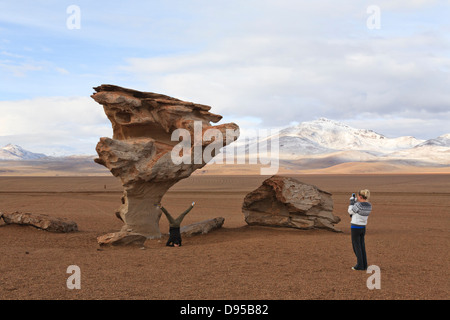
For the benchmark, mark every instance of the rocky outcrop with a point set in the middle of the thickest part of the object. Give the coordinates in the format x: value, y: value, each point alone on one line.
x: 40, y: 221
x: 286, y: 202
x: 157, y: 141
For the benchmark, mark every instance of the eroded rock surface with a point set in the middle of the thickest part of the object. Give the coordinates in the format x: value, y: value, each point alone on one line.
x: 140, y: 152
x: 286, y: 202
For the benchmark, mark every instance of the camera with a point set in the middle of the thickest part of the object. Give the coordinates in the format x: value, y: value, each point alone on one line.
x: 353, y: 199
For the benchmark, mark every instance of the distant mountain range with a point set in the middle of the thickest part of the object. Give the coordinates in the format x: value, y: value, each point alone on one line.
x: 318, y: 144
x: 327, y: 136
x: 16, y: 161
x: 324, y: 143
x: 15, y: 152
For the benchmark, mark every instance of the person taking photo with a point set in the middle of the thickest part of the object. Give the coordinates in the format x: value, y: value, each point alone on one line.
x: 359, y: 210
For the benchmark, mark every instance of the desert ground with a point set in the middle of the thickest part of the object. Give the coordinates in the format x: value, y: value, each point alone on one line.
x: 407, y: 237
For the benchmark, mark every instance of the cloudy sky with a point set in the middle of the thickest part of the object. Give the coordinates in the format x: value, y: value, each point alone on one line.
x: 382, y: 65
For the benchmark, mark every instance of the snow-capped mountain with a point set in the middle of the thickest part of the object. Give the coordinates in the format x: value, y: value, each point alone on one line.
x: 315, y: 144
x: 326, y: 136
x: 441, y: 141
x: 315, y: 141
x: 434, y: 150
x: 15, y: 152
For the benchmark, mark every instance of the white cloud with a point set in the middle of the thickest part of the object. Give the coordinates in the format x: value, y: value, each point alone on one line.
x: 407, y: 4
x: 54, y: 125
x: 294, y: 79
x: 62, y: 70
x: 258, y: 63
x: 19, y: 70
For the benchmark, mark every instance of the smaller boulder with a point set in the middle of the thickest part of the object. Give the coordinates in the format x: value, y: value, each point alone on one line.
x: 286, y: 202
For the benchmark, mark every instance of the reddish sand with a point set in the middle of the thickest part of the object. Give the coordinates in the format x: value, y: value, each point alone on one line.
x: 407, y: 237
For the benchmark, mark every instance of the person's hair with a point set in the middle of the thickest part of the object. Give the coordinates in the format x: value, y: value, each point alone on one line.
x: 365, y: 194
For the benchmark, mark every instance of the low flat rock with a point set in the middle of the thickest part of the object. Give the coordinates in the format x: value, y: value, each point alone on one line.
x: 202, y: 227
x: 40, y: 221
x: 121, y: 238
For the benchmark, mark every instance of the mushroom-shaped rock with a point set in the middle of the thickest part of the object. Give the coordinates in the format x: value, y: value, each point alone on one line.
x: 157, y: 141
